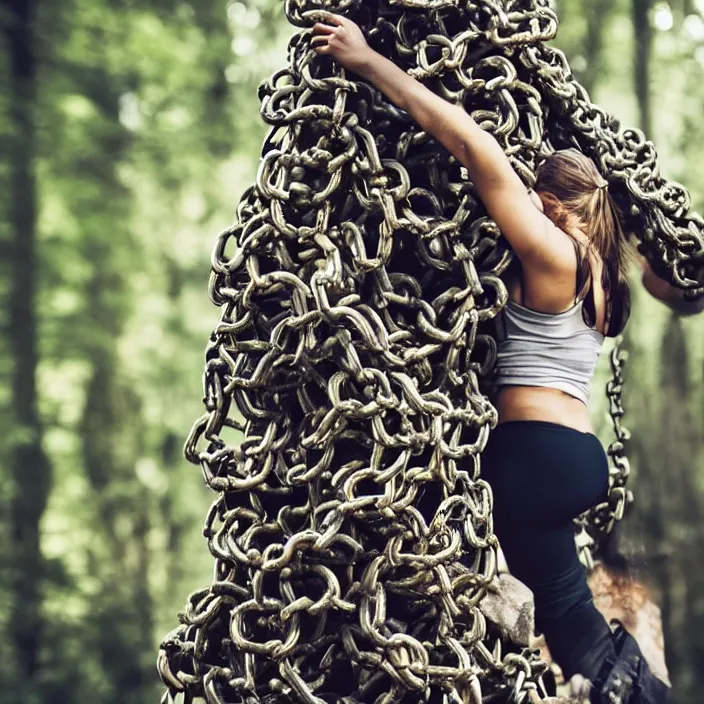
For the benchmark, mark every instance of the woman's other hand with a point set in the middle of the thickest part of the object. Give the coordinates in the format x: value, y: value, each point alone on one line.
x: 669, y: 294
x: 342, y: 39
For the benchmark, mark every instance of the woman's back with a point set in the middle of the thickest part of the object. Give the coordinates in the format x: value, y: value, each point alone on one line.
x: 547, y: 351
x: 549, y: 343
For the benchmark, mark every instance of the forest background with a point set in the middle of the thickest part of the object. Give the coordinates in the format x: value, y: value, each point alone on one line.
x: 128, y: 132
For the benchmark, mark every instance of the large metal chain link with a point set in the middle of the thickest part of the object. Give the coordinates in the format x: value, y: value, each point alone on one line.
x: 352, y: 530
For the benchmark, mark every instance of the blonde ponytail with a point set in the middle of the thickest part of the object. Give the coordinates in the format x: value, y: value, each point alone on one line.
x: 575, y: 182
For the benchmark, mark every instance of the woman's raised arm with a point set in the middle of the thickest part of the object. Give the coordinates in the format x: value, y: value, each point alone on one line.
x: 534, y: 238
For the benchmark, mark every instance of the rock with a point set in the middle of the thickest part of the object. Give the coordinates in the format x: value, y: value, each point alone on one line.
x: 509, y: 605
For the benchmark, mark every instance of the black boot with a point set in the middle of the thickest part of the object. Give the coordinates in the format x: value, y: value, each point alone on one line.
x: 627, y: 679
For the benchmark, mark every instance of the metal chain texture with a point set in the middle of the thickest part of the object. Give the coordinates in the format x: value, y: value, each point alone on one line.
x: 352, y: 531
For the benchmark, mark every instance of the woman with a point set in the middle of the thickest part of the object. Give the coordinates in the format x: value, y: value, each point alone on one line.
x: 568, y: 292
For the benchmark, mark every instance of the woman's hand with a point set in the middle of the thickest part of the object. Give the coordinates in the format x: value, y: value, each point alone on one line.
x: 342, y: 39
x: 667, y: 293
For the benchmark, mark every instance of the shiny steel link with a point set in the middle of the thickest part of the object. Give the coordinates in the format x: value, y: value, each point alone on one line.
x: 351, y: 530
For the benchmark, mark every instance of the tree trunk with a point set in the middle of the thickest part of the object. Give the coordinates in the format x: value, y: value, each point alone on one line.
x: 112, y: 430
x: 112, y: 443
x: 597, y: 13
x: 686, y: 509
x: 643, y: 44
x: 29, y: 466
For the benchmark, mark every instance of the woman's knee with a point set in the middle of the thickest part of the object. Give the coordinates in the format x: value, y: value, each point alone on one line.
x: 557, y: 598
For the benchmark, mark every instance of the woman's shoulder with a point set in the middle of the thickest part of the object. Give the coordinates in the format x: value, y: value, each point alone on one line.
x: 552, y: 290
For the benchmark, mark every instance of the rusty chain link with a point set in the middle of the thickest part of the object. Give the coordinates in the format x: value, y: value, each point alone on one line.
x: 352, y: 531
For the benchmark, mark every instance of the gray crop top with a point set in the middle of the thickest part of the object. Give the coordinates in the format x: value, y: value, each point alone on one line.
x: 554, y: 351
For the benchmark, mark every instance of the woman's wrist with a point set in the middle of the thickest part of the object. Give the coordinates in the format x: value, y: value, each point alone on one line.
x: 369, y: 60
x: 390, y: 79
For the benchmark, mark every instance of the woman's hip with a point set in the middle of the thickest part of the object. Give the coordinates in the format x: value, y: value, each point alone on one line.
x: 544, y: 472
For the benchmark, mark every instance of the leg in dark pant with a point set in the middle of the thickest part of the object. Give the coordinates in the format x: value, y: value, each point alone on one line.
x: 543, y: 476
x: 564, y: 608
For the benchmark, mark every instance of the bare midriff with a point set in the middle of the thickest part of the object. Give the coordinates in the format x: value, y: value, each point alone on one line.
x: 516, y: 403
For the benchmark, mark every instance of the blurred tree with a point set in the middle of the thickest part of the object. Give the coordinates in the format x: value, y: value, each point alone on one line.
x: 30, y: 467
x: 597, y: 14
x: 669, y: 505
x: 112, y: 426
x: 677, y: 470
x: 643, y: 33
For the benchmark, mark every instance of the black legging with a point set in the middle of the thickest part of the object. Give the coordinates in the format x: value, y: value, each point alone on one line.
x: 542, y: 476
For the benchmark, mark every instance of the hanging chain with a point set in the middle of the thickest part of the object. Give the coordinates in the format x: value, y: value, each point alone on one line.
x: 344, y: 387
x: 597, y: 523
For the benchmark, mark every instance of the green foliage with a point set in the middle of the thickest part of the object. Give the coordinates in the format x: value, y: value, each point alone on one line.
x: 147, y: 134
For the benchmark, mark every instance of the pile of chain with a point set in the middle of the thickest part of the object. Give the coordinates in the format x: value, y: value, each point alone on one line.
x: 352, y: 531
